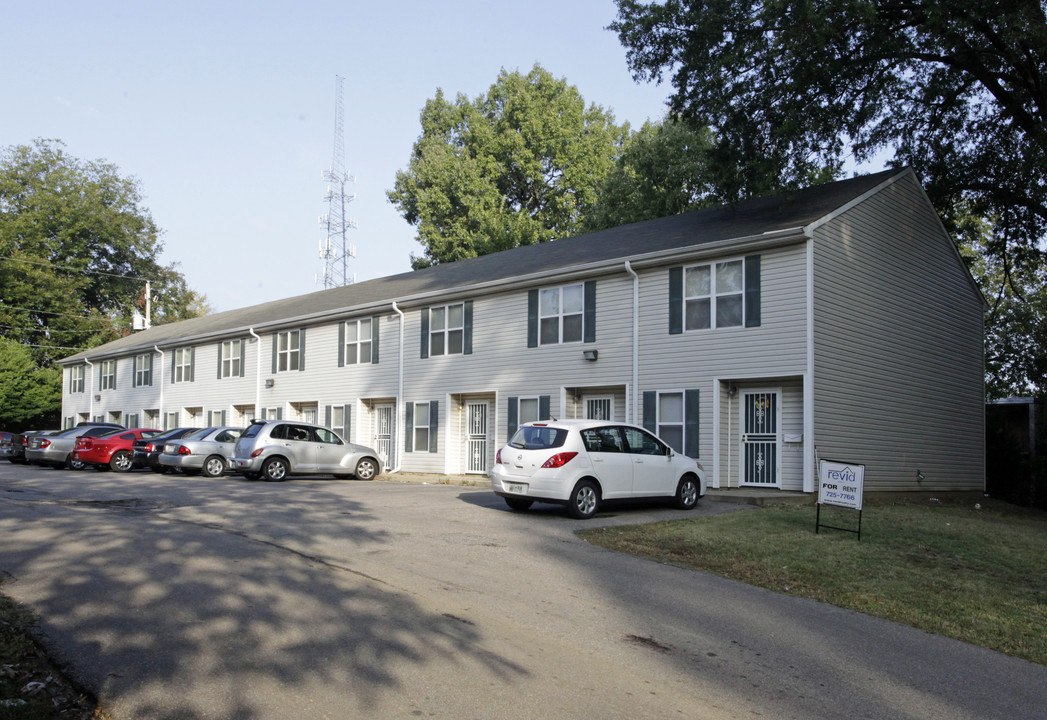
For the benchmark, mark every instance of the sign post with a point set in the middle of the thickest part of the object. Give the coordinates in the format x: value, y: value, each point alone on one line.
x: 840, y: 484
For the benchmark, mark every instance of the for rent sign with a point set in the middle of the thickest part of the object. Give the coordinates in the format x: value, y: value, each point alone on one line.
x: 840, y: 484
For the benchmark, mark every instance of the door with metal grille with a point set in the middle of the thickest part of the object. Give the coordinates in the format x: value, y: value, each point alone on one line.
x: 598, y: 408
x: 383, y: 434
x: 476, y: 450
x: 760, y: 438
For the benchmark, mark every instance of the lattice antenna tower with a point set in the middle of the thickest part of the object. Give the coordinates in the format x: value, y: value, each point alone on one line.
x: 336, y: 249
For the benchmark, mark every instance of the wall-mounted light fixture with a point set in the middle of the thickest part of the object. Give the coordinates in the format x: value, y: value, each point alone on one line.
x: 269, y: 382
x: 590, y: 355
x: 97, y: 398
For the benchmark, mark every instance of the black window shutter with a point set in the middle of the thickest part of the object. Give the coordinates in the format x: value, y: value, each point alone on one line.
x: 243, y: 353
x: 347, y: 421
x: 341, y: 349
x: 374, y: 338
x: 276, y: 343
x: 424, y: 340
x: 134, y: 371
x: 220, y: 347
x: 223, y: 417
x: 434, y: 424
x: 301, y: 350
x: 675, y: 300
x: 192, y: 364
x: 690, y: 418
x: 513, y: 415
x: 752, y: 291
x: 327, y: 416
x: 467, y: 330
x: 408, y: 427
x: 543, y: 407
x: 532, y: 318
x: 650, y: 410
x: 280, y: 412
x: 589, y: 313
x: 174, y: 357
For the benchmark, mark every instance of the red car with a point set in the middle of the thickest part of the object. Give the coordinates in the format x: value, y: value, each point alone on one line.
x: 112, y: 450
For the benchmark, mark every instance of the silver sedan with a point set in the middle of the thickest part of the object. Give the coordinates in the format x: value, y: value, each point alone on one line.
x: 206, y: 451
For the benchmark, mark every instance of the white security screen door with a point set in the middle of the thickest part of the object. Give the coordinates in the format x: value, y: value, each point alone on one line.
x: 476, y: 421
x: 383, y: 434
x: 598, y: 408
x: 760, y: 438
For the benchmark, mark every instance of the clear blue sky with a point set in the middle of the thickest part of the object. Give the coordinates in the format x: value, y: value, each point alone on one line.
x: 224, y: 111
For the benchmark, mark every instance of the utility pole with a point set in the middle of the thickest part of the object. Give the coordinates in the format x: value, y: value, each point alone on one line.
x: 335, y: 249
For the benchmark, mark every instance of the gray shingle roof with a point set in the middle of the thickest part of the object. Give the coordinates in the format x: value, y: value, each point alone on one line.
x: 746, y: 219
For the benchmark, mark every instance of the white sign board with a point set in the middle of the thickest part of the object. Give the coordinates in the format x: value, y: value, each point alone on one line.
x: 840, y: 484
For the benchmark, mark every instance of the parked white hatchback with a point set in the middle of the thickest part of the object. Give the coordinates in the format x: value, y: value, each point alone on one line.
x: 581, y: 463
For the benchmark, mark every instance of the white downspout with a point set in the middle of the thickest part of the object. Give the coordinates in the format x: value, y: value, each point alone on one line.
x: 90, y: 392
x: 399, y: 394
x: 636, y: 344
x: 257, y: 374
x: 162, y: 415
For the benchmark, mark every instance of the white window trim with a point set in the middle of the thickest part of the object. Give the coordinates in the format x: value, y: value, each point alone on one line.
x: 286, y: 356
x: 107, y: 372
x: 183, y: 364
x: 354, y: 353
x: 77, y: 374
x: 444, y: 333
x: 561, y: 315
x: 144, y: 369
x: 231, y: 358
x: 713, y: 295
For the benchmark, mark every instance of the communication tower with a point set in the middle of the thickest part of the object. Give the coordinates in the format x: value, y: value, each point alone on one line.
x: 336, y: 250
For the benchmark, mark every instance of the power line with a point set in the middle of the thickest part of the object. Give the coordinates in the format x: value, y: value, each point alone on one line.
x: 45, y: 330
x: 76, y: 270
x: 51, y: 312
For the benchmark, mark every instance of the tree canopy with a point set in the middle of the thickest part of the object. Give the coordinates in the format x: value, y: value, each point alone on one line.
x: 76, y: 247
x: 956, y: 89
x: 518, y: 165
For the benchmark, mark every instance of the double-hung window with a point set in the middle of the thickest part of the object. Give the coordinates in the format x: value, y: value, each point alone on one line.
x: 422, y: 420
x: 107, y: 375
x: 231, y: 363
x: 143, y: 370
x: 358, y: 339
x: 446, y: 329
x: 182, y: 369
x: 673, y: 416
x: 560, y: 312
x: 76, y: 379
x: 287, y: 350
x: 722, y: 294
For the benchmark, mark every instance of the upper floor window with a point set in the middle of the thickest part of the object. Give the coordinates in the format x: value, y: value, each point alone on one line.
x: 76, y: 379
x: 357, y: 338
x: 446, y: 329
x: 182, y: 368
x: 231, y: 359
x: 715, y: 295
x: 107, y: 375
x: 562, y: 314
x: 143, y: 369
x: 288, y: 350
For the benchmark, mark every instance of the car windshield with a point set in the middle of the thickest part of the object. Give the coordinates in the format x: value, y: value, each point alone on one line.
x: 538, y: 438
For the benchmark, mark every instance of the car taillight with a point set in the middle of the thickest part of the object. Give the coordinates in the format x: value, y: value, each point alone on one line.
x: 149, y: 447
x: 498, y: 457
x: 45, y: 443
x: 257, y: 452
x: 183, y: 450
x: 559, y: 460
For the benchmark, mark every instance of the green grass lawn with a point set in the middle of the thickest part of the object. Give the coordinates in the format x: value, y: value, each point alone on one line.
x: 977, y: 574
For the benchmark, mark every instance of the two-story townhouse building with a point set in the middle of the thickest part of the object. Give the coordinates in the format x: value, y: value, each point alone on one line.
x: 837, y: 322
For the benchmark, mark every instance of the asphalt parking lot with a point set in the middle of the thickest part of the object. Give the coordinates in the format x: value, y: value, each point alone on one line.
x: 177, y: 597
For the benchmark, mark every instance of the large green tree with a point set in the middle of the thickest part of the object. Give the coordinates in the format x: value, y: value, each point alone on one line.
x: 26, y: 389
x: 518, y: 165
x: 76, y: 249
x: 956, y: 90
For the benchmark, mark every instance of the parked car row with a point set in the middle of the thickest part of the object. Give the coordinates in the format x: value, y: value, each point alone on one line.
x: 269, y: 449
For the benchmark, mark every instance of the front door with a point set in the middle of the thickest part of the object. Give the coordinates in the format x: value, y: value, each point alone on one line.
x: 383, y: 435
x: 476, y: 450
x: 760, y: 438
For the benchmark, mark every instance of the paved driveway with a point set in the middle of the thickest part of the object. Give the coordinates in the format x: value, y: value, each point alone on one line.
x: 174, y: 597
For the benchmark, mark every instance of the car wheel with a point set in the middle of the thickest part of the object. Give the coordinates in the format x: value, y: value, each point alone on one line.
x: 687, y: 492
x: 72, y: 464
x: 366, y: 469
x: 518, y: 504
x: 584, y: 501
x: 275, y: 469
x: 120, y: 461
x: 214, y: 466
